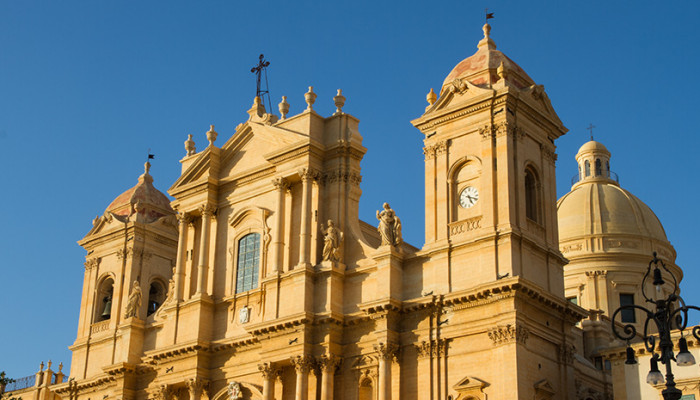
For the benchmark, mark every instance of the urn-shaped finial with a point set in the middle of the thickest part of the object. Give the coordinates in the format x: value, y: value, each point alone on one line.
x: 339, y: 101
x: 310, y: 97
x: 211, y: 135
x: 431, y: 97
x: 502, y: 71
x: 189, y: 146
x: 284, y: 107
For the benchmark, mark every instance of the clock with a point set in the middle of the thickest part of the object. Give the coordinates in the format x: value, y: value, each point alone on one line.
x: 468, y: 197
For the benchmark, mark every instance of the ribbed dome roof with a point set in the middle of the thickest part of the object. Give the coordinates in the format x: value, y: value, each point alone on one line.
x: 603, y: 208
x: 482, y: 67
x: 143, y: 199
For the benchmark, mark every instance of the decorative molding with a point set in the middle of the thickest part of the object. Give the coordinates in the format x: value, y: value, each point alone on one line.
x: 309, y: 174
x: 508, y: 334
x: 184, y: 218
x: 548, y: 154
x: 592, y: 274
x: 464, y: 226
x: 572, y: 247
x: 99, y: 327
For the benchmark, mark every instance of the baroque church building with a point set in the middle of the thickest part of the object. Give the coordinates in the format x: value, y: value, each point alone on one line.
x: 259, y: 280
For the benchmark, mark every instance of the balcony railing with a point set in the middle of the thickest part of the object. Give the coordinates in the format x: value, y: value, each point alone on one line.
x: 30, y: 381
x: 604, y: 174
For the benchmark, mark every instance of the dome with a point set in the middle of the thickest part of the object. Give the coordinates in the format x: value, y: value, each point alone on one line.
x: 143, y: 199
x: 603, y: 208
x: 593, y: 146
x: 482, y: 67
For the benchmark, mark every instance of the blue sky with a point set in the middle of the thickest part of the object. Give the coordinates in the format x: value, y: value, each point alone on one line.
x: 86, y: 88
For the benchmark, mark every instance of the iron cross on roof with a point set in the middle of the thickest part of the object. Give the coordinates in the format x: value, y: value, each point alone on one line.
x: 590, y: 128
x: 258, y: 70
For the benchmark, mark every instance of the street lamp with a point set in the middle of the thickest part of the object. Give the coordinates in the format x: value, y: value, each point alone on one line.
x: 669, y: 313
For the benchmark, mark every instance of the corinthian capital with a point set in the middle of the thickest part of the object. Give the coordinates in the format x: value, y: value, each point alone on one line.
x: 184, y: 218
x: 207, y: 210
x: 329, y: 362
x: 387, y: 351
x: 267, y: 370
x: 280, y: 184
x: 302, y: 363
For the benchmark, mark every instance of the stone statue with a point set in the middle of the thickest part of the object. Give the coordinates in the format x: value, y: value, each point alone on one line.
x: 132, y: 307
x: 389, y: 226
x: 234, y: 391
x: 332, y: 237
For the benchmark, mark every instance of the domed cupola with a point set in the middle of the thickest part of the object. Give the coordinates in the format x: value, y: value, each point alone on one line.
x: 487, y: 66
x: 594, y: 164
x: 143, y: 202
x: 608, y: 235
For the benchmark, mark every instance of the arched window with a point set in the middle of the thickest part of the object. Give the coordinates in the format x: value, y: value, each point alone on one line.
x: 587, y: 166
x: 531, y: 198
x: 248, y: 263
x: 156, y: 296
x: 103, y: 300
x: 366, y: 391
x: 598, y: 167
x: 607, y: 169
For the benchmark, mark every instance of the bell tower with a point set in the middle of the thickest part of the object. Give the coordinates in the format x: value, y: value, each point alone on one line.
x: 490, y: 190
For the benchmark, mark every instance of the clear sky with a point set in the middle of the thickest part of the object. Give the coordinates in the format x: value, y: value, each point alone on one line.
x: 86, y: 88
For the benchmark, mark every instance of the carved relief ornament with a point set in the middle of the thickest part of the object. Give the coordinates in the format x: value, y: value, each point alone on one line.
x: 340, y: 175
x: 207, y: 210
x: 508, y: 334
x: 329, y: 362
x: 302, y: 364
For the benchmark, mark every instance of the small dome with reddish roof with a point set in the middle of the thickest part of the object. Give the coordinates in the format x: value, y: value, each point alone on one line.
x: 143, y: 201
x: 482, y: 68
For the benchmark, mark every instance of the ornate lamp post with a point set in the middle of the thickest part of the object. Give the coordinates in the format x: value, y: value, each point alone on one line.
x: 667, y: 314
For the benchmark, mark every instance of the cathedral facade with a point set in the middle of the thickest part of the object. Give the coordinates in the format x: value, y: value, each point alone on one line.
x: 259, y: 280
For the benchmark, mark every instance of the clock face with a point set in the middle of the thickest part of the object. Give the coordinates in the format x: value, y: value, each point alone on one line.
x: 468, y: 197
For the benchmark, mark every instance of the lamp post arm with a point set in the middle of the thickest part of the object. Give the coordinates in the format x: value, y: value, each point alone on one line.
x: 628, y: 330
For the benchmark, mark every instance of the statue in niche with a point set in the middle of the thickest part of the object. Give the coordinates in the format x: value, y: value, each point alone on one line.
x: 389, y: 226
x: 332, y: 237
x: 134, y: 303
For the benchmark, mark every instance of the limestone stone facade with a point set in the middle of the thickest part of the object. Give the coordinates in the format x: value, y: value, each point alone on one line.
x: 259, y: 280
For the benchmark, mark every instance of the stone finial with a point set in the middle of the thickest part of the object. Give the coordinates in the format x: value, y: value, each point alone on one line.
x: 339, y: 101
x: 189, y: 146
x: 211, y: 135
x: 310, y: 98
x: 431, y: 97
x: 48, y: 366
x: 60, y: 367
x: 502, y: 71
x: 41, y: 366
x: 284, y: 107
x: 487, y: 41
x: 146, y: 168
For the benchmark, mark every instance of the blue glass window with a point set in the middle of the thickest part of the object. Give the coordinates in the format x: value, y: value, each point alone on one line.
x: 248, y: 262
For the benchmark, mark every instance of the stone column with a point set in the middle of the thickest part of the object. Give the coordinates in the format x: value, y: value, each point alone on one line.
x: 207, y: 214
x: 387, y: 354
x: 306, y: 176
x: 302, y: 365
x: 281, y: 185
x: 184, y: 219
x: 269, y: 373
x: 329, y: 363
x: 195, y: 387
